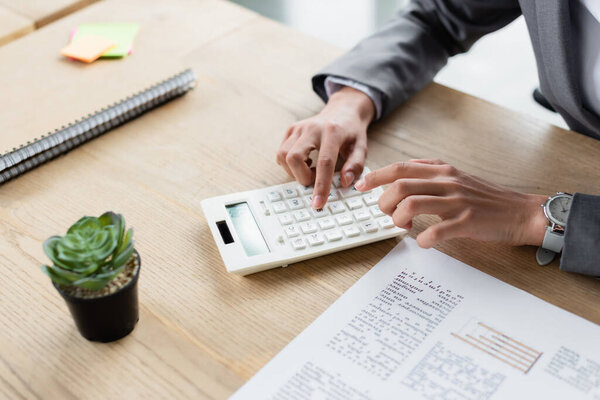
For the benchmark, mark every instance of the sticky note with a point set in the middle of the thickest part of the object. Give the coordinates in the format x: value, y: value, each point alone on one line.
x: 123, y: 34
x: 88, y: 48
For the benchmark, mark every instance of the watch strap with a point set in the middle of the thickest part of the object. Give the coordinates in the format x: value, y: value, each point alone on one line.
x: 553, y: 241
x: 544, y: 256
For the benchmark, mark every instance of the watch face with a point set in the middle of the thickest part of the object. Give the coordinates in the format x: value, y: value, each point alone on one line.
x: 558, y: 209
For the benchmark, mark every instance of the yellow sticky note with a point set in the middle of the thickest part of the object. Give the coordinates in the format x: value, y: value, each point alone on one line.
x: 88, y: 48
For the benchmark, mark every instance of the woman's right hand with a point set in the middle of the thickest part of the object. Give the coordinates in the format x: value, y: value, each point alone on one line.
x: 340, y: 129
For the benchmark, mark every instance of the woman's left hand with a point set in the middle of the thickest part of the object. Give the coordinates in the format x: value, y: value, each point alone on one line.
x: 468, y: 206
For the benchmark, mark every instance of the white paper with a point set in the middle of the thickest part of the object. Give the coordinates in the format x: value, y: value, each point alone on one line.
x: 422, y: 325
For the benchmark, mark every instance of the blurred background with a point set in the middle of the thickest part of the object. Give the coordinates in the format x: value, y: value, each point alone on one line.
x: 499, y: 68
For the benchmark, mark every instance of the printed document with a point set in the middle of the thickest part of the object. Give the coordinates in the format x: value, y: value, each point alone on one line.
x: 422, y: 325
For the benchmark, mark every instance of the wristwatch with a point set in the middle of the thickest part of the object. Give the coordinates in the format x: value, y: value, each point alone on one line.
x: 556, y: 209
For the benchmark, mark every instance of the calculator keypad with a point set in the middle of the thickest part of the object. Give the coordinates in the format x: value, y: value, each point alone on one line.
x: 348, y: 213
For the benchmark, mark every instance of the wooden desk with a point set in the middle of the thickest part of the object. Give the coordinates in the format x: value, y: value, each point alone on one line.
x: 13, y: 25
x: 203, y: 332
x: 43, y: 12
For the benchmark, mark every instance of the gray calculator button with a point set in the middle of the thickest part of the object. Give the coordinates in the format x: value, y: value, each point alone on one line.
x: 295, y: 204
x: 348, y: 192
x: 326, y: 223
x: 274, y: 196
x: 331, y: 197
x: 285, y: 219
x: 344, y: 219
x: 279, y: 207
x: 319, y: 213
x: 369, y: 227
x: 333, y: 235
x: 315, y: 239
x: 361, y: 215
x: 376, y: 211
x: 290, y: 193
x: 292, y: 231
x: 351, y: 231
x: 336, y: 207
x: 354, y: 203
x: 386, y: 222
x: 370, y: 199
x: 299, y: 243
x: 337, y: 182
x: 308, y: 227
x: 301, y: 215
x: 305, y: 189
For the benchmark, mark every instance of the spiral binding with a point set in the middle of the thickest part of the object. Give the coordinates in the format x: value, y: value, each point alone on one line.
x: 59, y: 142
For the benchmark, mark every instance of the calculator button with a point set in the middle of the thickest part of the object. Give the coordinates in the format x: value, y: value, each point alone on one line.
x: 386, y: 222
x: 285, y: 219
x: 337, y: 207
x: 292, y: 231
x: 344, y: 219
x: 299, y: 243
x: 319, y: 213
x: 351, y: 231
x: 315, y: 239
x: 295, y: 204
x: 279, y: 207
x: 337, y: 181
x: 370, y: 199
x: 274, y: 196
x: 333, y: 235
x: 305, y: 189
x: 290, y: 193
x: 354, y: 203
x: 376, y: 211
x: 361, y: 215
x: 308, y: 200
x: 348, y: 192
x: 369, y: 227
x: 326, y: 223
x: 308, y: 227
x: 331, y: 197
x: 301, y: 215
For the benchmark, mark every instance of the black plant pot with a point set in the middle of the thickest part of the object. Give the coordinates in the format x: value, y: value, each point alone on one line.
x: 107, y: 318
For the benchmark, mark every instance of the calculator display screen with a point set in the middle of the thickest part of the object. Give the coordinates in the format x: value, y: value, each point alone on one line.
x: 247, y: 229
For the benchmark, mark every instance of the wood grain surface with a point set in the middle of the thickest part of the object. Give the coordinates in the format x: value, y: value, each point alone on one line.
x: 43, y: 12
x: 203, y: 332
x: 13, y: 25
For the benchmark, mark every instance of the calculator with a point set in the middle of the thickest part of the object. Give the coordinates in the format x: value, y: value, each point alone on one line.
x: 276, y: 226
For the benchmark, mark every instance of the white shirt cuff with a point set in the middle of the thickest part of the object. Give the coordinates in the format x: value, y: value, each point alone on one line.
x: 333, y: 84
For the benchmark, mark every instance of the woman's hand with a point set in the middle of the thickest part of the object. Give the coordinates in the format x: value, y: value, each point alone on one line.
x: 339, y: 129
x: 468, y: 206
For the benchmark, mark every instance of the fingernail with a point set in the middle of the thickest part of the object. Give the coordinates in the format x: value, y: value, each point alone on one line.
x: 349, y: 177
x: 360, y: 184
x: 316, y: 203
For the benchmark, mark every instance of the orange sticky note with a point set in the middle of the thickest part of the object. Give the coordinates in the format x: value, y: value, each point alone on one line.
x: 88, y: 48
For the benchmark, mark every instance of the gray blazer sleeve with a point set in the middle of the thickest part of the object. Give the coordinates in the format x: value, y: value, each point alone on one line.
x: 406, y: 53
x: 581, y: 251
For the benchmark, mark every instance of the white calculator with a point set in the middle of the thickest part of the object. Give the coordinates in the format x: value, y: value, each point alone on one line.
x: 276, y: 226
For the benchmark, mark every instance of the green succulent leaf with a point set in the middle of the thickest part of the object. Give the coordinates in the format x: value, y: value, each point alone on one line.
x: 127, y: 240
x: 111, y: 273
x: 123, y: 257
x: 92, y: 283
x: 48, y: 270
x: 50, y: 250
x: 93, y: 251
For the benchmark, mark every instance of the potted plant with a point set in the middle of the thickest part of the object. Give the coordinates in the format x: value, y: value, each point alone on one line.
x: 95, y: 268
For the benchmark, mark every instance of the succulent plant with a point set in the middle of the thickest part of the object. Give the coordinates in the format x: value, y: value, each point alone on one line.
x: 91, y: 254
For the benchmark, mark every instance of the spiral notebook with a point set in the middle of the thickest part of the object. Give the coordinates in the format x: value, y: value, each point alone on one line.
x: 32, y: 154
